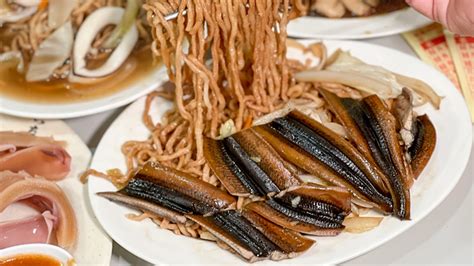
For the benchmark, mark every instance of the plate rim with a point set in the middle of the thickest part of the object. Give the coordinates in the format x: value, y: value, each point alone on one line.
x: 458, y: 172
x: 399, y: 30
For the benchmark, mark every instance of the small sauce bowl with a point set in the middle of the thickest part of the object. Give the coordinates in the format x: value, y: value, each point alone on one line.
x: 39, y: 250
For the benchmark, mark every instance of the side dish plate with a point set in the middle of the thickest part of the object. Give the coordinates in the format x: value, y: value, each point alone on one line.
x: 93, y: 245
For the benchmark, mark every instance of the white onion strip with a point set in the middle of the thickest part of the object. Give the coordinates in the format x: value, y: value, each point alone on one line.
x: 51, y: 54
x: 94, y: 23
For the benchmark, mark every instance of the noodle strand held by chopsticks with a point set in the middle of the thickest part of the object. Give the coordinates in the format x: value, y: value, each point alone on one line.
x: 227, y: 60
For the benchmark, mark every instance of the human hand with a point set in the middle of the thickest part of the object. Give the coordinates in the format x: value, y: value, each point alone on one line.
x: 456, y: 15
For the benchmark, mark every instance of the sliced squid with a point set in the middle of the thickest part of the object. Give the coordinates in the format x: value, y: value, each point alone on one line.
x: 93, y: 24
x: 7, y: 14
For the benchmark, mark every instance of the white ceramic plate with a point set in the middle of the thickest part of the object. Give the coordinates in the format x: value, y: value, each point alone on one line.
x: 125, y: 96
x: 94, y: 247
x: 162, y: 247
x: 357, y: 28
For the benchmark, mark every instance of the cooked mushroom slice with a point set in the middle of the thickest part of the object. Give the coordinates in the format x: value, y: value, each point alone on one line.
x: 144, y: 205
x: 423, y: 145
x: 402, y: 110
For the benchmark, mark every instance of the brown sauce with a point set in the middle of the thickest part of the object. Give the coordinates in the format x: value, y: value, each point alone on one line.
x: 30, y: 259
x: 13, y: 84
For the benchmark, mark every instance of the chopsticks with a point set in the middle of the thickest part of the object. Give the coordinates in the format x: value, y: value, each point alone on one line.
x: 174, y: 15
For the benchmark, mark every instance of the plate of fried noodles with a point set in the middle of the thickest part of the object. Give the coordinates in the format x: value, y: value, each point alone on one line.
x: 63, y: 59
x: 240, y: 78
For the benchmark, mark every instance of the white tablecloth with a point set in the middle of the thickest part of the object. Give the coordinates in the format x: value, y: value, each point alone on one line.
x: 443, y: 237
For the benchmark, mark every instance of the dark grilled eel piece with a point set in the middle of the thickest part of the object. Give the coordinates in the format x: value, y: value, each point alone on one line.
x: 144, y: 205
x: 333, y: 202
x: 247, y: 165
x: 178, y: 196
x: 295, y: 220
x: 380, y: 129
x: 253, y: 237
x: 423, y: 145
x: 296, y: 155
x: 232, y: 177
x: 309, y: 209
x: 177, y: 190
x: 372, y: 128
x: 333, y: 152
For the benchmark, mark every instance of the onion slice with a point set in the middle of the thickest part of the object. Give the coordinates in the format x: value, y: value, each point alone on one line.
x: 361, y: 224
x: 128, y: 20
x: 51, y: 54
x: 86, y: 34
x: 59, y: 12
x: 348, y: 70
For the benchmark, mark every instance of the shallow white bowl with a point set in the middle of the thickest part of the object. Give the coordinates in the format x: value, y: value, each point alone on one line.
x: 125, y: 96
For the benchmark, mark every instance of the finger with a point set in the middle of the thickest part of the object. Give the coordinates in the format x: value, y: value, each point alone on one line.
x: 433, y: 9
x: 425, y: 7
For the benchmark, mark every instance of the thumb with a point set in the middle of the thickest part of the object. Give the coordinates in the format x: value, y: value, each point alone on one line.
x: 433, y: 9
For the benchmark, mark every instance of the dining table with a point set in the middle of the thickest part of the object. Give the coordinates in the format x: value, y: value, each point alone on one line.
x: 445, y: 236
